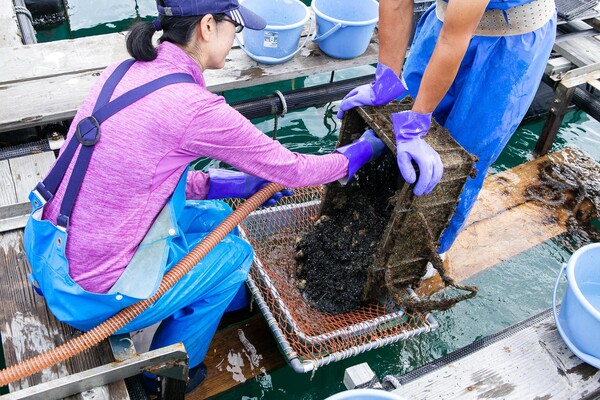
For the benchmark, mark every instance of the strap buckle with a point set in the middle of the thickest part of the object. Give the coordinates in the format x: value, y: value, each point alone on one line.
x: 85, y: 129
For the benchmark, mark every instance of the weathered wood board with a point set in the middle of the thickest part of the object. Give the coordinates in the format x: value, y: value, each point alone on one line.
x: 489, y: 237
x: 238, y: 354
x: 27, y: 328
x: 18, y: 176
x: 10, y: 34
x: 533, y: 363
x: 580, y: 51
x: 47, y: 82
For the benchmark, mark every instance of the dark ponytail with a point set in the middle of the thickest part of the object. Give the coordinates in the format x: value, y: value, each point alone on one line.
x: 177, y: 30
x: 139, y: 41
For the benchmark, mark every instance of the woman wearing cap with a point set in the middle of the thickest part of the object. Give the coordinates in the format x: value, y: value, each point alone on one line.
x: 122, y: 190
x: 475, y: 65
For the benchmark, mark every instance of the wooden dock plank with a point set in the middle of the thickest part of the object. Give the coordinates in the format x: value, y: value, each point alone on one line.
x: 27, y: 171
x: 27, y: 327
x: 8, y: 194
x: 237, y: 354
x: 45, y: 96
x: 9, y: 29
x: 500, y: 208
x: 533, y: 363
x: 486, y: 243
x: 62, y: 57
x: 580, y: 51
x: 18, y: 176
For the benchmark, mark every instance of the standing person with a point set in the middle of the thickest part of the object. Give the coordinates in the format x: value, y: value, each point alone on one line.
x: 122, y: 192
x: 474, y: 65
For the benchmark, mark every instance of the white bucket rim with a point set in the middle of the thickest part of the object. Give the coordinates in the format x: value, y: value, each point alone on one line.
x: 290, y: 26
x: 359, y: 393
x: 572, y: 282
x: 341, y: 21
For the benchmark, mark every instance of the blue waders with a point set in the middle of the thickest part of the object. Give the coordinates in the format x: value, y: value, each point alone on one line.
x: 493, y: 89
x: 191, y: 309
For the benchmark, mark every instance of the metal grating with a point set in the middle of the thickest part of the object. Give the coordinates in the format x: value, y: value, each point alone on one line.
x: 574, y: 9
x: 24, y: 149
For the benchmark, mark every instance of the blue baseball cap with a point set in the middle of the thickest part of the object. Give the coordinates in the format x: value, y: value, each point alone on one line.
x: 188, y: 8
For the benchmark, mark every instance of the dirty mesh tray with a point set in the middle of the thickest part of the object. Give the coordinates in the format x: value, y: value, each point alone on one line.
x: 416, y: 224
x: 309, y: 338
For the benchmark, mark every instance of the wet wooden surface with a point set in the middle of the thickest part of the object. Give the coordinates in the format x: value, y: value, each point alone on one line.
x: 237, y: 354
x: 27, y: 327
x: 532, y: 363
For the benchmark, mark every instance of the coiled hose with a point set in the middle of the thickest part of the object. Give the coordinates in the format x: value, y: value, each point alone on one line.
x: 123, y: 317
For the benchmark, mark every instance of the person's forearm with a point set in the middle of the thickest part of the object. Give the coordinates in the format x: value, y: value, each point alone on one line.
x: 461, y: 20
x: 395, y: 25
x: 439, y: 74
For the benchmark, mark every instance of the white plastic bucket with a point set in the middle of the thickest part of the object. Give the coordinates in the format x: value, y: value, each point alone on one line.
x: 365, y: 394
x: 345, y: 27
x: 278, y: 42
x: 579, y: 320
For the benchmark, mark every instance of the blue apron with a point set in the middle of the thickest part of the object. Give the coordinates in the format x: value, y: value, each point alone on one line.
x: 191, y: 309
x: 494, y: 87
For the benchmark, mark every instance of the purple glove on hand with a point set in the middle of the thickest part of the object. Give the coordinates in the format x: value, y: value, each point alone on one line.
x: 386, y: 87
x: 410, y: 128
x: 225, y: 183
x: 366, y: 148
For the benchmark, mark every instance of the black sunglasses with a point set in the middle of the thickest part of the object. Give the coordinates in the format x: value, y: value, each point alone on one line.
x: 238, y: 27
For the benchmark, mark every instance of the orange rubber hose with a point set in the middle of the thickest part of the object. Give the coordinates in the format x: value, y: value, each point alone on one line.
x: 119, y: 320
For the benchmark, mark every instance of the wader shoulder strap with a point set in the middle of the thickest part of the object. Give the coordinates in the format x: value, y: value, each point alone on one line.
x: 87, y: 135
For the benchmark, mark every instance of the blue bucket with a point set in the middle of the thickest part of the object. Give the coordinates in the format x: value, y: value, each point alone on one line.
x: 365, y: 394
x: 579, y: 320
x: 278, y: 42
x: 345, y: 27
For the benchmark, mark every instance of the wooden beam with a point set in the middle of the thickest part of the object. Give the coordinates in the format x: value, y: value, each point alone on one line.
x: 52, y: 91
x: 61, y: 57
x: 10, y: 35
x: 501, y: 210
x: 237, y: 354
x: 580, y: 51
x: 18, y: 176
x: 533, y: 363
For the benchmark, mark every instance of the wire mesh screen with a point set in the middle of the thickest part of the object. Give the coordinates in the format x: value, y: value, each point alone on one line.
x: 310, y: 338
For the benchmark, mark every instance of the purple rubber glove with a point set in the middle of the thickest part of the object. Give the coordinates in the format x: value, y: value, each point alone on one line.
x: 386, y: 87
x: 366, y: 148
x: 225, y: 183
x: 410, y: 128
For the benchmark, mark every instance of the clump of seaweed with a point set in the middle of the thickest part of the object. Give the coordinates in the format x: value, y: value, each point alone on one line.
x: 374, y: 238
x: 574, y: 185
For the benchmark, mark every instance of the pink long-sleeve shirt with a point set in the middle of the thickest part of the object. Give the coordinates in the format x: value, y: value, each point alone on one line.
x: 142, y: 153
